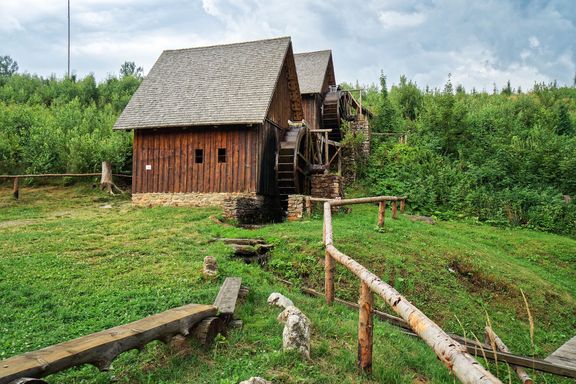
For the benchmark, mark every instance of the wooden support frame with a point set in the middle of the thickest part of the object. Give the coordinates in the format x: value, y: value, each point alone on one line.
x: 395, y: 210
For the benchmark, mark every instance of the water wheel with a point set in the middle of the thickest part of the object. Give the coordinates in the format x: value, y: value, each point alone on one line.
x: 299, y: 157
x: 336, y: 108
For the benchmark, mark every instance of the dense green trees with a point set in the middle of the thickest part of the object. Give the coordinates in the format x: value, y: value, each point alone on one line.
x: 502, y: 158
x: 62, y: 125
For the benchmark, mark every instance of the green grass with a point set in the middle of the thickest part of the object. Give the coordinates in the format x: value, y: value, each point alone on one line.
x: 69, y: 268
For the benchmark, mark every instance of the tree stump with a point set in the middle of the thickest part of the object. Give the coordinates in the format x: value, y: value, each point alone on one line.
x: 106, y: 183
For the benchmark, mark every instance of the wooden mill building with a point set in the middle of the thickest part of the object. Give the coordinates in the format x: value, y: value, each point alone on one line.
x: 315, y: 76
x: 208, y: 124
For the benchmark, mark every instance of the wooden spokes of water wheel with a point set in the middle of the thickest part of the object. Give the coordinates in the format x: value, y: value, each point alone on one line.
x: 299, y: 157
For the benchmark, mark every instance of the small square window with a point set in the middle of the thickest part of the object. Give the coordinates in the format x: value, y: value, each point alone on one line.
x: 199, y: 156
x: 221, y: 155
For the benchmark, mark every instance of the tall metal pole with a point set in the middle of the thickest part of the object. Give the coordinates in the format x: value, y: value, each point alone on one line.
x: 68, y: 38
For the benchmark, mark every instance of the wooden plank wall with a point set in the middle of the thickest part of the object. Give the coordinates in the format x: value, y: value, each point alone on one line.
x: 312, y: 104
x: 171, y: 154
x: 286, y: 103
x: 270, y: 137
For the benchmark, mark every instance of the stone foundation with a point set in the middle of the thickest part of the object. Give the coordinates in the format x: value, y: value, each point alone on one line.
x: 327, y: 186
x: 193, y: 199
x: 295, y: 207
x: 252, y: 209
x: 245, y: 208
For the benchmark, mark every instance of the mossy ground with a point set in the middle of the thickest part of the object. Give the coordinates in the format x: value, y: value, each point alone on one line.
x: 69, y: 267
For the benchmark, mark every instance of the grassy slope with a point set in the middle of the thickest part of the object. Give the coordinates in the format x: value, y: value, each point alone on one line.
x: 68, y: 268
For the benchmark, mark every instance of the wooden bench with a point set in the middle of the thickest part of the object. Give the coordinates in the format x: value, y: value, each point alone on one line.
x: 101, y: 348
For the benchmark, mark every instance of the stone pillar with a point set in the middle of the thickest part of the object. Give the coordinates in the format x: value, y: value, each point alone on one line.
x: 327, y: 186
x: 295, y: 207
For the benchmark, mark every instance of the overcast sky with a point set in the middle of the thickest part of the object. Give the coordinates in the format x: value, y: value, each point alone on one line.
x: 479, y: 42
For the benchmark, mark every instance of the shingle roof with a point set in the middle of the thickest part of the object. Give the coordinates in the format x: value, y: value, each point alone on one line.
x: 311, y: 68
x: 222, y: 84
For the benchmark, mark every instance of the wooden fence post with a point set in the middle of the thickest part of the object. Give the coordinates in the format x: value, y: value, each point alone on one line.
x: 328, y: 260
x: 16, y: 189
x: 309, y: 205
x: 365, y: 328
x: 402, y: 205
x: 394, y: 209
x: 381, y: 213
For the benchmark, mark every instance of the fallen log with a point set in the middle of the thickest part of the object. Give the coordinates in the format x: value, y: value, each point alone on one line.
x: 208, y: 329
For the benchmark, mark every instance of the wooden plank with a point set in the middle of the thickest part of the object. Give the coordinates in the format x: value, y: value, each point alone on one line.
x: 136, y: 149
x: 565, y: 355
x: 154, y: 161
x: 177, y: 171
x: 242, y: 160
x: 228, y: 295
x: 102, y: 347
x: 184, y: 161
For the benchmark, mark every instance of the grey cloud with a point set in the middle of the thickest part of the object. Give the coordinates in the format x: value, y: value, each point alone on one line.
x: 478, y: 42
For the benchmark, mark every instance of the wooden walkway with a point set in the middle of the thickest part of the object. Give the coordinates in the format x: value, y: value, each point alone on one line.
x: 565, y: 355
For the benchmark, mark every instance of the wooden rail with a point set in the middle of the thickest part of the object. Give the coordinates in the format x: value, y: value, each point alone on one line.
x: 101, y: 348
x: 106, y: 181
x: 449, y: 351
x: 472, y: 346
x: 381, y: 200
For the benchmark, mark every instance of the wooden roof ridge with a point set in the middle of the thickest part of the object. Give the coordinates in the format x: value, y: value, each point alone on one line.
x: 312, y: 68
x: 213, y: 85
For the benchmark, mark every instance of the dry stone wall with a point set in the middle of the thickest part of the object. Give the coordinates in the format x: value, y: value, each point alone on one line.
x: 327, y: 186
x: 295, y: 207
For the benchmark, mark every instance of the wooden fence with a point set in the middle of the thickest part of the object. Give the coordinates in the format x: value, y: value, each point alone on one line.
x: 105, y: 182
x: 449, y: 351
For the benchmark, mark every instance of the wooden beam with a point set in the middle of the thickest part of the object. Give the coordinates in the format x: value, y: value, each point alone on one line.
x: 328, y: 261
x: 364, y: 200
x: 16, y: 189
x: 499, y: 344
x: 365, y: 329
x: 228, y: 295
x: 381, y: 213
x: 394, y: 209
x: 101, y: 348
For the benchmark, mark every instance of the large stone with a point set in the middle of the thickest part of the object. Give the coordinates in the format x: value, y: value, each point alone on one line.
x: 296, y: 333
x: 279, y: 300
x: 210, y: 268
